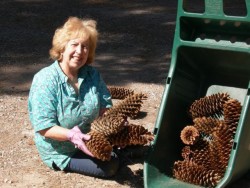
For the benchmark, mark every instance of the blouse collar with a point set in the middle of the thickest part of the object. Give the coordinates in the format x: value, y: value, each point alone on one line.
x: 83, y: 72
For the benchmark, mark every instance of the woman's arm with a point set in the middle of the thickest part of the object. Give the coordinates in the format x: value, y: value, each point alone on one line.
x: 73, y: 135
x: 56, y: 132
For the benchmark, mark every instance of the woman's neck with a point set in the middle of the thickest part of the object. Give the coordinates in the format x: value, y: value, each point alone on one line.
x: 71, y: 74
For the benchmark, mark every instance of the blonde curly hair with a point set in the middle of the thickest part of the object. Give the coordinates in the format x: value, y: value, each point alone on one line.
x: 74, y: 28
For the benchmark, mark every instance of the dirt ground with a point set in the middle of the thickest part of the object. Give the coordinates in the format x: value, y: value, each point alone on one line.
x: 134, y: 51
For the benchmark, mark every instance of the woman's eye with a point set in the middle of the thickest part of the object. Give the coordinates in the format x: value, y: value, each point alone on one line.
x: 85, y: 47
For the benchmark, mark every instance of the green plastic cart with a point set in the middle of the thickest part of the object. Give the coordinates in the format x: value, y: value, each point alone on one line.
x: 211, y: 54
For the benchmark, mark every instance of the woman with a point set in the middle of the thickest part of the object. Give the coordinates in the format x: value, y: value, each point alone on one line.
x: 66, y: 97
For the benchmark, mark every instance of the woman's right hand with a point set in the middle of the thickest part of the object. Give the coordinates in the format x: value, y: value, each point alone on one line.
x: 75, y: 136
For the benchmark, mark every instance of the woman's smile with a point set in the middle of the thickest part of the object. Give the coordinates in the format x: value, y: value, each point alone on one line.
x: 77, y: 58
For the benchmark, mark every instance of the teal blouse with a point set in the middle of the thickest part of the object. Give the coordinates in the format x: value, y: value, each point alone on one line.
x: 53, y: 101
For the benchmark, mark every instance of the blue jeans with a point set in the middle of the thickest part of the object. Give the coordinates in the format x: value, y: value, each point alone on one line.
x: 84, y: 164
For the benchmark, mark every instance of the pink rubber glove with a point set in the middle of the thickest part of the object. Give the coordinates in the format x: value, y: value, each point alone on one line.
x: 77, y: 138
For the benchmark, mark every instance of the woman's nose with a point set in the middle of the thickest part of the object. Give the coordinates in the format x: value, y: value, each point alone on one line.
x: 79, y: 49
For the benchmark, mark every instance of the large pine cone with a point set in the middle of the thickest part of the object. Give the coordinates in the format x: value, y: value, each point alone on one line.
x: 108, y: 125
x: 113, y: 129
x: 99, y: 146
x: 221, y: 146
x: 206, y: 161
x: 206, y: 125
x: 189, y: 135
x: 131, y: 135
x: 129, y: 107
x: 198, y: 153
x: 209, y: 106
x: 186, y: 153
x: 120, y: 92
x: 232, y: 110
x: 191, y: 172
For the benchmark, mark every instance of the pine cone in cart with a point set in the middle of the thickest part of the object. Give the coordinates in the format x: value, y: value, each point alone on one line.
x: 206, y: 125
x: 232, y: 110
x: 198, y: 153
x: 206, y: 157
x: 189, y: 135
x: 221, y: 146
x: 186, y: 153
x: 191, y: 172
x: 209, y: 106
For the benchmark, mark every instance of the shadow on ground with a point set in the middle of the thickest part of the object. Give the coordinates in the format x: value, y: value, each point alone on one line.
x: 135, y: 38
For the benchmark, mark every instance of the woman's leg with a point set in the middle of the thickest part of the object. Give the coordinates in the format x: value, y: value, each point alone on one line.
x: 84, y: 164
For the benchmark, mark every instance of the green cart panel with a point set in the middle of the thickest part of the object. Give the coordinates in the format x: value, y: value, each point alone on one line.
x: 211, y: 54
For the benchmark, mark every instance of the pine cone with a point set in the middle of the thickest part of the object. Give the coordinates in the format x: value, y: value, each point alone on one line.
x: 120, y: 92
x: 108, y: 125
x: 186, y: 153
x: 129, y: 107
x: 206, y: 161
x: 131, y: 135
x: 99, y: 146
x: 224, y: 135
x: 189, y: 135
x: 190, y: 172
x: 232, y: 110
x: 206, y: 124
x: 199, y: 153
x: 222, y: 145
x: 209, y: 106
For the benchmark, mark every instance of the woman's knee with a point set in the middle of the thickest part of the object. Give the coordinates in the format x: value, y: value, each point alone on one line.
x: 83, y: 164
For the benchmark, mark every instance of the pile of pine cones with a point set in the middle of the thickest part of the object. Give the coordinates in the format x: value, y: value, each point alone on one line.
x: 113, y: 129
x: 209, y: 140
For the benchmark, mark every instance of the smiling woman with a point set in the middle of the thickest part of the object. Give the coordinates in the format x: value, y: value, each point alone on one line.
x: 66, y: 97
x: 74, y: 57
x: 75, y: 28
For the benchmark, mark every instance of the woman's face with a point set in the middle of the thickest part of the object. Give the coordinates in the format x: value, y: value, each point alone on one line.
x: 76, y: 53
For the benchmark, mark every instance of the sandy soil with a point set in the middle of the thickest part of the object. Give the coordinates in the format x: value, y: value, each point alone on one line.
x: 134, y: 51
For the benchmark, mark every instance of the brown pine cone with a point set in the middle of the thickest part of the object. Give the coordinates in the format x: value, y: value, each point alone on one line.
x: 189, y: 135
x: 129, y: 107
x: 222, y: 145
x: 99, y: 146
x: 200, y: 154
x: 131, y: 135
x: 209, y: 106
x: 190, y: 172
x: 232, y: 110
x: 206, y: 161
x: 206, y: 124
x: 186, y: 153
x: 108, y: 125
x: 120, y: 92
